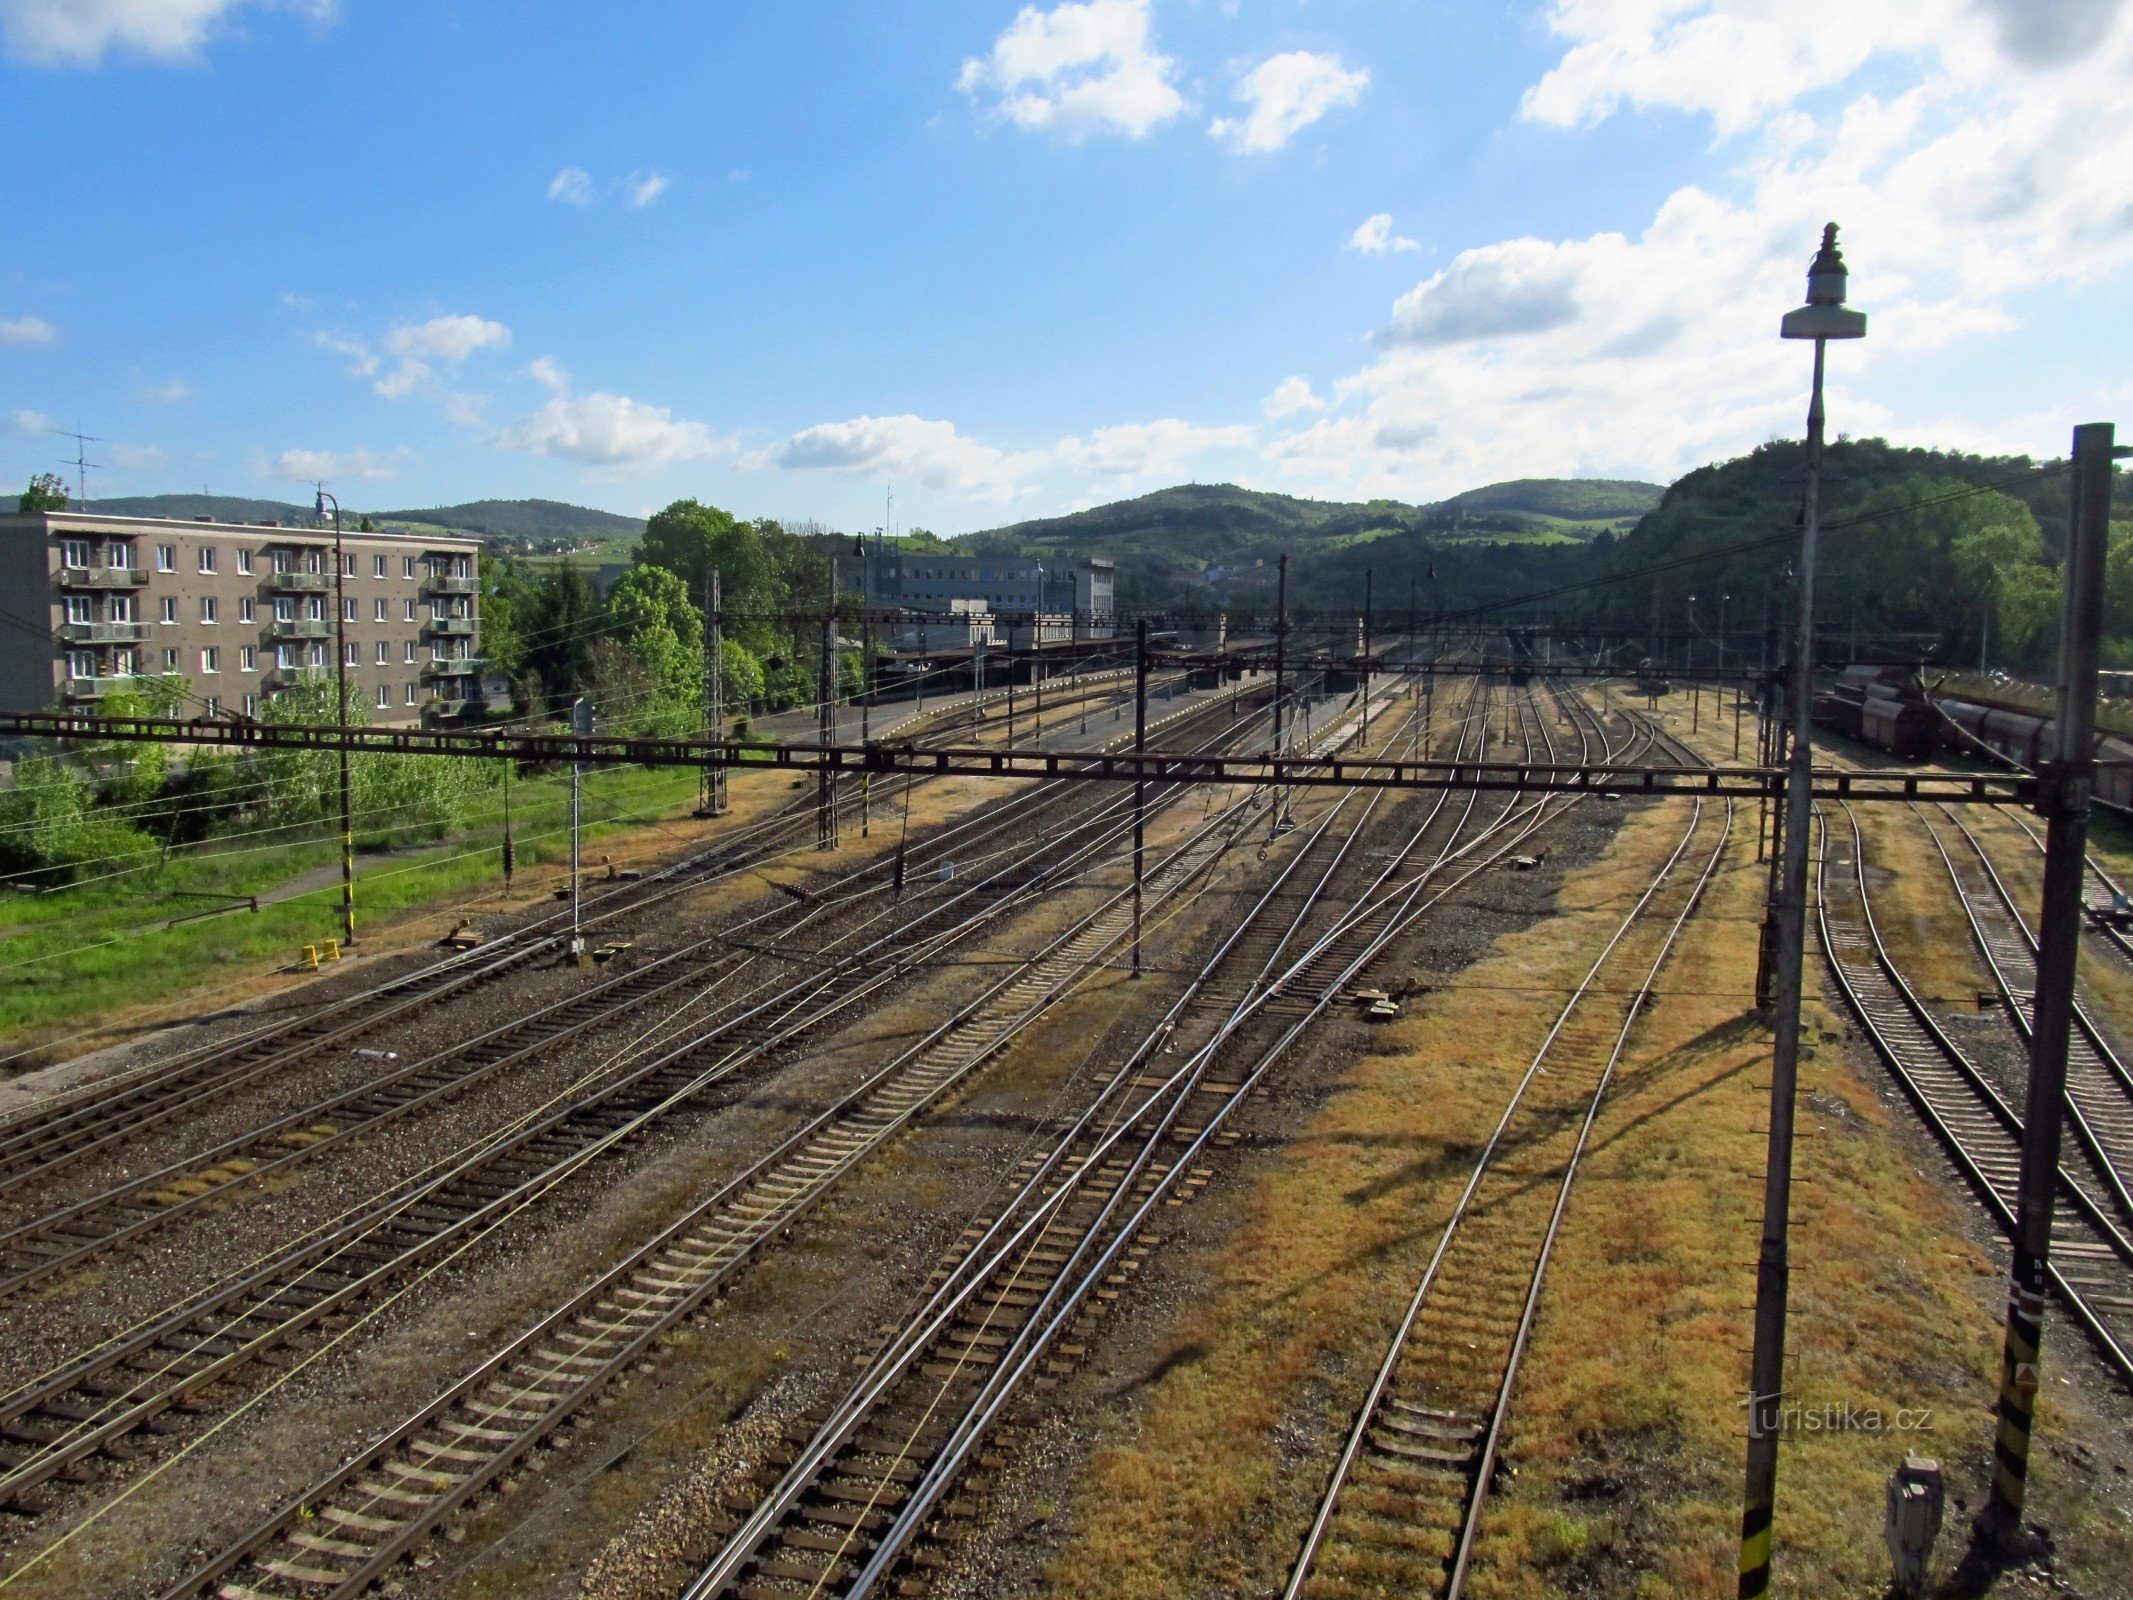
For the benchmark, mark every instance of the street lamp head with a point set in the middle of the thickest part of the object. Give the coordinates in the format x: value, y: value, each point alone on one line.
x: 1824, y: 315
x: 318, y: 506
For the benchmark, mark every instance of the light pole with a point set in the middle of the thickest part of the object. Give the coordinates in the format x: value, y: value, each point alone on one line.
x: 1823, y: 318
x: 1688, y: 651
x: 340, y: 717
x: 1036, y: 662
x: 866, y: 676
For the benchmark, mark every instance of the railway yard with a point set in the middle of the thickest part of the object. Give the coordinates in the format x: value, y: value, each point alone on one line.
x: 1363, y: 1204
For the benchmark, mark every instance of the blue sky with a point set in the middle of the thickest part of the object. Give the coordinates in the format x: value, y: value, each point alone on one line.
x: 1020, y: 260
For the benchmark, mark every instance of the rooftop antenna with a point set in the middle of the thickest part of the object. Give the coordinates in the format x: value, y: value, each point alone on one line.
x: 81, y: 462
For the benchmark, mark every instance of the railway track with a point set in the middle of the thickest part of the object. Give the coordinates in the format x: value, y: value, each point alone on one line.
x: 1402, y: 1510
x: 100, y: 1401
x: 348, y: 1529
x: 2091, y: 1257
x: 1014, y: 1306
x: 37, y: 1142
x: 2099, y: 1089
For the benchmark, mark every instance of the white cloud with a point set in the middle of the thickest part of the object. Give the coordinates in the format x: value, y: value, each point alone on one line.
x: 362, y: 363
x: 545, y: 371
x: 1290, y: 396
x: 137, y: 457
x: 447, y: 339
x: 1148, y: 449
x: 26, y: 421
x: 643, y: 190
x: 1374, y: 237
x: 573, y: 185
x: 904, y: 446
x: 80, y: 33
x: 611, y: 432
x: 1978, y: 168
x: 306, y: 466
x: 1078, y: 69
x: 27, y: 330
x: 1286, y: 94
x: 164, y: 394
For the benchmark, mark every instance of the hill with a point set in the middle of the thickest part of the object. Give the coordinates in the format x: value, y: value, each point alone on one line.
x: 1196, y: 543
x: 185, y: 507
x: 540, y: 524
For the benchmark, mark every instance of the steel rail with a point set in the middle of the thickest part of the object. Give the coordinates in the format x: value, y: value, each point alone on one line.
x: 36, y: 1141
x: 987, y: 1407
x: 2098, y: 1088
x: 1175, y: 1092
x: 1466, y: 1448
x: 57, y: 1239
x: 90, y: 1403
x: 515, y: 1397
x: 1967, y: 1115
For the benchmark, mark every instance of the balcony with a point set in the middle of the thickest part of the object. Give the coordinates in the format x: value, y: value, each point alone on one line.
x: 103, y: 632
x: 441, y: 710
x: 102, y: 577
x: 435, y: 584
x: 452, y: 627
x: 465, y: 667
x: 94, y: 688
x: 300, y: 628
x: 300, y: 582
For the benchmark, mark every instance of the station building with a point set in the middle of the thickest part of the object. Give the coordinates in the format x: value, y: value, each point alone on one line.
x: 89, y: 603
x: 1073, y: 598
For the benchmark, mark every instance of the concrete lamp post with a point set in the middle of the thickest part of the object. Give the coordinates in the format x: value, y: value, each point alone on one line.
x: 1822, y: 319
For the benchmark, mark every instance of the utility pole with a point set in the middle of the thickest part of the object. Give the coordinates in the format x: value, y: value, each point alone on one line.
x: 581, y: 724
x: 713, y: 803
x: 1368, y: 576
x: 826, y: 714
x: 1281, y: 669
x: 1140, y: 783
x: 866, y: 669
x: 1823, y: 318
x: 2065, y: 804
x: 340, y: 717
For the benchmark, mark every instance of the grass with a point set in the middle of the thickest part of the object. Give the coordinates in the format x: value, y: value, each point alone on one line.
x: 68, y: 955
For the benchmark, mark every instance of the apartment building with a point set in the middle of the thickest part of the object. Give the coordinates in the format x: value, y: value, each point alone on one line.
x: 238, y: 610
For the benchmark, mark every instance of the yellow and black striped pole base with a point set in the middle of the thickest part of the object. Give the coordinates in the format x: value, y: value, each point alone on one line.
x: 1755, y: 1552
x: 2018, y: 1399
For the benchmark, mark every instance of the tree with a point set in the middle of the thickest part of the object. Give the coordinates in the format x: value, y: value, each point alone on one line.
x: 656, y: 625
x: 558, y: 632
x: 45, y: 493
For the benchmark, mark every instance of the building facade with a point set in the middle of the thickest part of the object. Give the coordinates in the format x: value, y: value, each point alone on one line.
x: 1011, y: 587
x: 240, y: 611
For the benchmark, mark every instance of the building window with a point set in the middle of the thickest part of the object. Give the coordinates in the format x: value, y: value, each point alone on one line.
x: 285, y: 656
x: 244, y: 563
x: 378, y: 612
x: 169, y: 608
x: 377, y: 570
x: 214, y: 705
x: 278, y: 561
x: 166, y: 558
x: 211, y: 658
x: 170, y: 660
x: 410, y: 694
x: 314, y: 561
x: 284, y: 609
x: 348, y: 566
x: 315, y: 608
x: 318, y: 655
x: 119, y: 608
x: 247, y: 659
x: 78, y: 609
x: 410, y: 652
x: 385, y: 697
x: 246, y: 610
x: 74, y: 553
x: 81, y: 663
x: 348, y: 611
x: 407, y: 611
x: 407, y: 566
x: 251, y: 705
x: 438, y: 611
x: 125, y: 664
x: 118, y: 554
x: 348, y: 654
x: 207, y: 558
x: 384, y: 653
x: 210, y: 608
